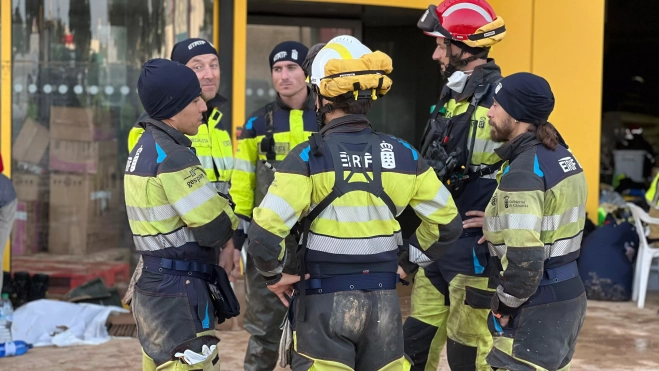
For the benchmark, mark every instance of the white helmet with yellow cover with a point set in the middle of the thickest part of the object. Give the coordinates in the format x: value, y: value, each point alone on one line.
x: 345, y: 68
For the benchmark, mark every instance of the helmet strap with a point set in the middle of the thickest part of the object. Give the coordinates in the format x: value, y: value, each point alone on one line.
x: 320, y: 113
x: 456, y: 62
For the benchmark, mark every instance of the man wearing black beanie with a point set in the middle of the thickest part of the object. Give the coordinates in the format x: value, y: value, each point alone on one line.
x: 534, y: 224
x: 212, y: 142
x: 267, y: 137
x: 179, y: 224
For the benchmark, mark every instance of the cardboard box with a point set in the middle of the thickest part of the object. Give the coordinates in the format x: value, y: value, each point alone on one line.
x: 86, y: 212
x: 30, y: 187
x: 31, y: 143
x: 81, y: 124
x: 81, y: 157
x: 29, y: 228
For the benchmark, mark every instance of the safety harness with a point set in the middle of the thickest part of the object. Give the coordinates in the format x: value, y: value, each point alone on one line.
x: 446, y: 139
x: 337, y: 144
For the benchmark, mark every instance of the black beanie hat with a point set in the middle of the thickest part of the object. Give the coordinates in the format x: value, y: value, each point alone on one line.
x: 291, y: 51
x: 185, y: 50
x: 526, y: 97
x: 166, y: 88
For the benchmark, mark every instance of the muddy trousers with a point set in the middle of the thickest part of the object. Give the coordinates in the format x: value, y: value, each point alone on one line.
x: 440, y: 315
x: 264, y: 313
x: 542, y: 335
x: 174, y: 313
x: 350, y: 330
x: 432, y: 324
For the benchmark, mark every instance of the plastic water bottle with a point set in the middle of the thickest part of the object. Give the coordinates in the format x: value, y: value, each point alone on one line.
x: 14, y: 348
x: 6, y: 318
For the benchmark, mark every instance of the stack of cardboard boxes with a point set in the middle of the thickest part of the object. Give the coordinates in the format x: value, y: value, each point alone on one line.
x: 70, y: 200
x: 30, y: 234
x: 86, y: 199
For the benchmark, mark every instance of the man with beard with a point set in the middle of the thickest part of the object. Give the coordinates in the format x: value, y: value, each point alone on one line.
x: 267, y: 137
x: 463, y: 157
x: 534, y: 225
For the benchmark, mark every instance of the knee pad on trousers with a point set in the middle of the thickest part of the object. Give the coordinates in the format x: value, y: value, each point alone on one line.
x: 461, y: 357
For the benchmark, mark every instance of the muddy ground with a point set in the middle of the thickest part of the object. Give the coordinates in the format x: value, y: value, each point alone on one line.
x: 616, y: 336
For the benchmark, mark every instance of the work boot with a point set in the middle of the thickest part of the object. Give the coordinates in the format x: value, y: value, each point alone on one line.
x: 22, y: 287
x: 38, y: 287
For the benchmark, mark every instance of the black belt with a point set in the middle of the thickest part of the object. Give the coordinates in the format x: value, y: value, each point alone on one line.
x: 559, y: 274
x: 466, y: 234
x: 352, y: 282
x: 179, y: 267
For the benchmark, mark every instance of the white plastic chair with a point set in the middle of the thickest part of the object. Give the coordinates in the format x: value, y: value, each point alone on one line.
x: 645, y: 254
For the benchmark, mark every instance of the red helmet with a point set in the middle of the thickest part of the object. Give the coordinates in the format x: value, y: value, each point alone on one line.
x: 472, y: 22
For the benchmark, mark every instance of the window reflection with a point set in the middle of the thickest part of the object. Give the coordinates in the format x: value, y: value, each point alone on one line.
x: 74, y: 100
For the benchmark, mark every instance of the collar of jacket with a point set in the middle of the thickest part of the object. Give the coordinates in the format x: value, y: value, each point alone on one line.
x: 482, y: 73
x: 309, y: 105
x: 513, y: 148
x: 215, y: 102
x: 176, y: 135
x: 346, y: 124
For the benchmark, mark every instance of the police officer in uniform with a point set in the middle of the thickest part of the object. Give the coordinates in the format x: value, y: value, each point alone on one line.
x: 179, y: 223
x: 534, y: 225
x: 267, y: 137
x: 349, y: 183
x: 457, y: 144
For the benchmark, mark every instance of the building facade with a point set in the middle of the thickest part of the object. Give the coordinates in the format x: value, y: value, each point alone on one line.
x: 70, y: 67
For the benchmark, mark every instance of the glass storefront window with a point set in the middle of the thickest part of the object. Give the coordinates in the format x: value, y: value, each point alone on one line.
x: 74, y: 100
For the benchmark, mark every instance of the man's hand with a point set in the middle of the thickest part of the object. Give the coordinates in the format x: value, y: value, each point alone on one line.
x: 476, y: 222
x: 401, y: 273
x: 285, y: 286
x: 226, y: 259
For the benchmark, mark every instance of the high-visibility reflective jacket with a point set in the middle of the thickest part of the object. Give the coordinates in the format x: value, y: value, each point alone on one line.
x: 173, y: 210
x: 483, y: 154
x: 212, y: 144
x: 357, y: 231
x: 250, y: 179
x: 536, y: 217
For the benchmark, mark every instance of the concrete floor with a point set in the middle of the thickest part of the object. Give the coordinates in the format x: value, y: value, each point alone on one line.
x: 616, y: 336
